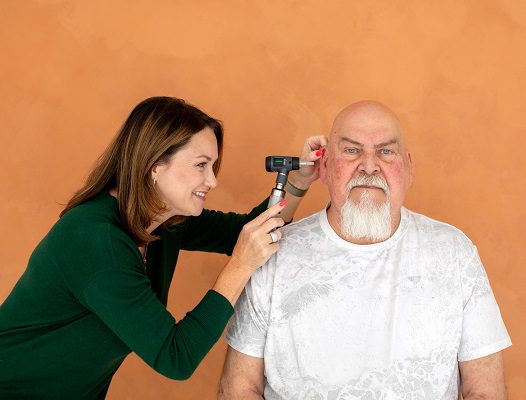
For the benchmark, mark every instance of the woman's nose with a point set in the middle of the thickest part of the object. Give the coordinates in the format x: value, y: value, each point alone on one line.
x: 211, y: 180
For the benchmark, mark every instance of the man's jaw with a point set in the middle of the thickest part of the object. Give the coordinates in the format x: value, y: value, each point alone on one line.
x: 366, y: 218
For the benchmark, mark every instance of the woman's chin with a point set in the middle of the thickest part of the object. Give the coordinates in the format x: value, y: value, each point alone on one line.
x: 189, y: 212
x: 196, y: 213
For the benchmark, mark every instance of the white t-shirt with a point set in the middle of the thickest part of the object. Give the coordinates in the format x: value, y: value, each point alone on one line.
x: 335, y: 320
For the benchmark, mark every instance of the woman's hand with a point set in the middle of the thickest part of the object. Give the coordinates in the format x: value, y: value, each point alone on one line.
x: 258, y: 240
x: 302, y: 178
x: 255, y: 244
x: 312, y: 151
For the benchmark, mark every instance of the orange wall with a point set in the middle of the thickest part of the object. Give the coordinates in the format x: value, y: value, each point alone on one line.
x: 274, y: 72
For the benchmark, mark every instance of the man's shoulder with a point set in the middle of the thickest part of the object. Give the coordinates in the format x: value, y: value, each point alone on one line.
x: 301, y: 233
x: 424, y: 225
x: 297, y: 239
x: 304, y: 224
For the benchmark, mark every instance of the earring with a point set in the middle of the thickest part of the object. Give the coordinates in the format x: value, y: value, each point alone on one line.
x: 154, y: 181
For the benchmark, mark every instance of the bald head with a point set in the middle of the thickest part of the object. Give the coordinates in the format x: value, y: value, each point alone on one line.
x: 367, y: 116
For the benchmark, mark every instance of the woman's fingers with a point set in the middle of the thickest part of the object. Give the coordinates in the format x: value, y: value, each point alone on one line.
x: 271, y: 224
x: 312, y: 147
x: 312, y: 151
x: 258, y: 238
x: 266, y: 233
x: 275, y: 236
x: 268, y: 214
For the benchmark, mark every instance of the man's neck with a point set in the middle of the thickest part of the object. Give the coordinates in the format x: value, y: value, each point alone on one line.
x: 334, y: 218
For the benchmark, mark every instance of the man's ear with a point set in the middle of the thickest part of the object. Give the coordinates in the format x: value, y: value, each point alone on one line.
x: 323, y: 166
x: 410, y: 161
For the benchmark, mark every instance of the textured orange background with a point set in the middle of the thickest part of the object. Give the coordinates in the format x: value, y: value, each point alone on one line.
x: 274, y: 72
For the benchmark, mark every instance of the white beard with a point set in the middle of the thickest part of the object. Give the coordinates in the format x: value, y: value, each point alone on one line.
x: 367, y: 219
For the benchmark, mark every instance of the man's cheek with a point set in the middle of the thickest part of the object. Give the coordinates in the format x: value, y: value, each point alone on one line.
x: 397, y: 168
x: 341, y: 170
x: 396, y: 175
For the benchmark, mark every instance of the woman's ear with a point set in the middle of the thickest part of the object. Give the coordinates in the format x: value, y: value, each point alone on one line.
x: 154, y: 172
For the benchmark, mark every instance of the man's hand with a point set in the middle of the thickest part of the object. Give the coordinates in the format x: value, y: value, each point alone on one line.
x: 483, y: 378
x: 242, y: 377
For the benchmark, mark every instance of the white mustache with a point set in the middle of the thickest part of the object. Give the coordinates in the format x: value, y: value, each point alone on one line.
x: 368, y: 180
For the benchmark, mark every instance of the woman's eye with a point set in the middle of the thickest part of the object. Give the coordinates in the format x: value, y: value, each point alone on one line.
x: 201, y: 165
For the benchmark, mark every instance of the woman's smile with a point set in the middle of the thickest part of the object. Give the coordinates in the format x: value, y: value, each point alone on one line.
x: 200, y: 195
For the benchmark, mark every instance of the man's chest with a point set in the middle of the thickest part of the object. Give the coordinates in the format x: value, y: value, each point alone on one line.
x: 391, y: 320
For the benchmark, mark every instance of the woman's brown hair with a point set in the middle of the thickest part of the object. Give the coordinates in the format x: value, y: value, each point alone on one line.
x: 155, y: 130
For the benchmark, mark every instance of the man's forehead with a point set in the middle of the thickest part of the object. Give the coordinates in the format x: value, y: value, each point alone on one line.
x: 366, y: 116
x: 371, y: 132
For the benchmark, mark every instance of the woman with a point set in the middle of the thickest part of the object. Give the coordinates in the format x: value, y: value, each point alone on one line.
x: 96, y: 287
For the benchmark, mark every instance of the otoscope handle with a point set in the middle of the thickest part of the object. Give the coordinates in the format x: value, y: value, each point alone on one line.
x: 276, y: 196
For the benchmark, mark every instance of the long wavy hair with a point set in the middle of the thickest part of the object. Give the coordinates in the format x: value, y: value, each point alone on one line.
x: 156, y: 129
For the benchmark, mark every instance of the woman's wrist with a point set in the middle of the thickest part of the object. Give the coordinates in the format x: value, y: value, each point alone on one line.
x: 293, y: 190
x: 231, y: 281
x: 298, y: 182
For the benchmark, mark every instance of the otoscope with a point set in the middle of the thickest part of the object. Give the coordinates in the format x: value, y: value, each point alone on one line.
x: 282, y: 165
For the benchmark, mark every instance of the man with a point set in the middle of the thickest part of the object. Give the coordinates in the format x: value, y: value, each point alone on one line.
x: 366, y: 299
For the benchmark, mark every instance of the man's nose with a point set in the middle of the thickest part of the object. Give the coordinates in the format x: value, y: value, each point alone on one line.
x: 369, y: 164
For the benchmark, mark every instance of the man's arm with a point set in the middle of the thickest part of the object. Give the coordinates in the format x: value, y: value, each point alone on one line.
x: 242, y: 377
x: 483, y: 378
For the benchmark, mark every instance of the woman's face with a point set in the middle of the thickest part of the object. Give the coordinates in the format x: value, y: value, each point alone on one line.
x: 184, y: 181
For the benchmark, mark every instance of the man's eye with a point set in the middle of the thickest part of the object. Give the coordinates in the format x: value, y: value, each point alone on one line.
x: 351, y: 150
x: 386, y: 152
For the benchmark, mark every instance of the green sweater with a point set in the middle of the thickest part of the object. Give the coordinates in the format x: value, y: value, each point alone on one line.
x: 86, y: 300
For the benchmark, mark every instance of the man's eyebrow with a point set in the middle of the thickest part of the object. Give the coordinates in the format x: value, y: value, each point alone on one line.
x: 389, y: 142
x: 383, y: 144
x: 344, y: 139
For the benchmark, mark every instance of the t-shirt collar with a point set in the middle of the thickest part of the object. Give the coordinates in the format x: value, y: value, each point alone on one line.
x: 332, y: 235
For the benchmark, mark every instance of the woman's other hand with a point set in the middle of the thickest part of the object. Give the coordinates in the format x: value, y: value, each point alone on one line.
x: 302, y: 178
x: 257, y: 241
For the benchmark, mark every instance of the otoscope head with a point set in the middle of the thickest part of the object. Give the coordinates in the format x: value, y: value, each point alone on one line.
x: 281, y: 163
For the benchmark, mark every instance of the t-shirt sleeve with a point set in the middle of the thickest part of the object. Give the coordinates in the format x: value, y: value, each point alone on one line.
x: 247, y: 330
x: 215, y: 231
x: 483, y: 330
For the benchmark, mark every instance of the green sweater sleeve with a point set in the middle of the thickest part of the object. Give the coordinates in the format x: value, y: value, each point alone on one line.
x: 119, y: 293
x: 124, y: 301
x: 215, y: 231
